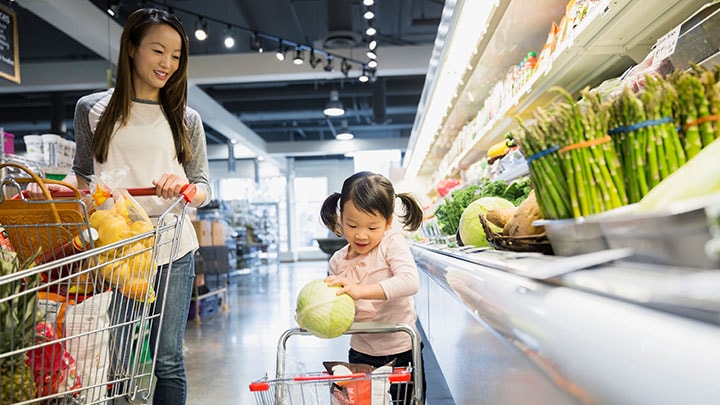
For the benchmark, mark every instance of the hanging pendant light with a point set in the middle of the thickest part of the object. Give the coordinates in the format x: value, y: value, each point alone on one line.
x: 344, y: 133
x: 334, y: 107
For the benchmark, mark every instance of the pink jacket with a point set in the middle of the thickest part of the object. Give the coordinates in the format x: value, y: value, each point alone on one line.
x: 391, y: 264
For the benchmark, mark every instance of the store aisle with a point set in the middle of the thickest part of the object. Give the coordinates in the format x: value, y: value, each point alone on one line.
x: 227, y: 351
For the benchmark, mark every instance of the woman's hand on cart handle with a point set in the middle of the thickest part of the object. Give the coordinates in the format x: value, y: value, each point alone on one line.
x: 172, y: 185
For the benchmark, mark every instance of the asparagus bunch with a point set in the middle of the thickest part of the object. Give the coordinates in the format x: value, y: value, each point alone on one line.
x: 698, y: 107
x: 582, y: 175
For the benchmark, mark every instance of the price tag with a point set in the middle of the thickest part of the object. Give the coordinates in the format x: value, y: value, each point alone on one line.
x: 666, y: 46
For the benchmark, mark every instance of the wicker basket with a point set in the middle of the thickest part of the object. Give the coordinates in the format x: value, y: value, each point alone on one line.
x: 535, y: 243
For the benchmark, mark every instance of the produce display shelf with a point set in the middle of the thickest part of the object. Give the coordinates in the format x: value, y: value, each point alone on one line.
x: 683, y: 291
x: 597, y: 50
x: 592, y: 346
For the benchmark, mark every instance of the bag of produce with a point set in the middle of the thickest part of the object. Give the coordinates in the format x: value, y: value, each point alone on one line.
x: 129, y: 267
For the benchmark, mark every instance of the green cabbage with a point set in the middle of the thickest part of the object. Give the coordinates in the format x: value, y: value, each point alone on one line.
x: 321, y: 312
x: 471, y: 230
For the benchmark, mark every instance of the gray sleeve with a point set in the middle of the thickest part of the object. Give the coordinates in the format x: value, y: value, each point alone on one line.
x: 83, y: 162
x: 197, y: 168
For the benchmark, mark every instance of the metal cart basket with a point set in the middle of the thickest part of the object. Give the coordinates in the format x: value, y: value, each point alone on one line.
x: 353, y: 389
x: 69, y: 333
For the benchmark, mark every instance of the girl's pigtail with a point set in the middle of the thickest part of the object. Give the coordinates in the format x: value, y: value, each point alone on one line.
x: 412, y: 216
x: 329, y: 214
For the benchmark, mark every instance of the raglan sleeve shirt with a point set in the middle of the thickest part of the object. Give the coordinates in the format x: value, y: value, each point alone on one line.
x: 145, y: 145
x: 391, y: 265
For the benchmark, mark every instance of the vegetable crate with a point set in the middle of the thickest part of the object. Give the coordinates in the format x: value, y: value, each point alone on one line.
x: 383, y: 386
x: 67, y: 327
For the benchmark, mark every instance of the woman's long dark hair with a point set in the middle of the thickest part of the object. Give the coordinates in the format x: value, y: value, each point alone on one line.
x: 374, y: 194
x: 173, y: 96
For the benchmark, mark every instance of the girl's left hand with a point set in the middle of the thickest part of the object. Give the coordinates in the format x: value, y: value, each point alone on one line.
x: 347, y: 286
x: 169, y: 185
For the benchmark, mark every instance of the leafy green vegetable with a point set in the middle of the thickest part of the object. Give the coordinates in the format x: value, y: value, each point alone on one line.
x: 515, y: 192
x: 449, y: 212
x: 323, y: 313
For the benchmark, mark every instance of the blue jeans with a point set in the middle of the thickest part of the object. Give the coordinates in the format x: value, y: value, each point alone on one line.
x: 171, y: 381
x: 171, y: 384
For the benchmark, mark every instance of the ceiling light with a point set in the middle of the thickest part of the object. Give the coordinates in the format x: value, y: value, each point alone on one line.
x: 328, y: 64
x: 345, y: 67
x: 371, y: 54
x: 370, y: 30
x: 280, y: 54
x: 368, y: 15
x: 372, y: 64
x: 334, y: 107
x: 201, y: 29
x: 113, y: 8
x: 229, y: 40
x: 364, y: 75
x: 372, y: 44
x: 344, y: 133
x: 256, y: 43
x: 368, y: 2
x: 298, y: 59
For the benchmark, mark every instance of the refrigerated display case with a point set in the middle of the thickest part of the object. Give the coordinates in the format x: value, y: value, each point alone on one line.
x: 509, y: 327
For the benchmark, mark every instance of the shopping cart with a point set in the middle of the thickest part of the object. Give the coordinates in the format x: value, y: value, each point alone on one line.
x: 68, y: 333
x: 352, y: 389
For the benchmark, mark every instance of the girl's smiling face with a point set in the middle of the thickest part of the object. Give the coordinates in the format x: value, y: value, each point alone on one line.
x: 155, y: 60
x: 362, y: 230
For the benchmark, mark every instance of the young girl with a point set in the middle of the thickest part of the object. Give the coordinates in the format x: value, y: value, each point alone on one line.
x: 376, y: 267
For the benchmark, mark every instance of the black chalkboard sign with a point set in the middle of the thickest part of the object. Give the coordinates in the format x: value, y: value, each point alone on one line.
x: 9, y: 59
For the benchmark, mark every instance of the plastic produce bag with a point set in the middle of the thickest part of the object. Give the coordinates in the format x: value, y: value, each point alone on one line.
x: 53, y: 367
x: 129, y: 268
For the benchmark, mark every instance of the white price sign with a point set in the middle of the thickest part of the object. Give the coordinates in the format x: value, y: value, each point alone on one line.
x: 666, y: 46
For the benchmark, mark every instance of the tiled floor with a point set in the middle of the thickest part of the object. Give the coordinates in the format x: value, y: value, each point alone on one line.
x: 228, y: 350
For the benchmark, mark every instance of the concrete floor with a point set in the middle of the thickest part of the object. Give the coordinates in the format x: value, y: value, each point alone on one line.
x: 228, y: 350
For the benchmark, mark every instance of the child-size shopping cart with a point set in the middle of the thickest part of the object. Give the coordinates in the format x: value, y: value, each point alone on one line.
x: 72, y: 329
x: 383, y: 386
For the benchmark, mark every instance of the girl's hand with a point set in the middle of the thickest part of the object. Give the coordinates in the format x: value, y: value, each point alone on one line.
x: 169, y: 185
x: 347, y: 286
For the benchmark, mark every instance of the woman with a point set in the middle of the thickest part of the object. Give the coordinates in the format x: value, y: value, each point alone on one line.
x: 144, y: 124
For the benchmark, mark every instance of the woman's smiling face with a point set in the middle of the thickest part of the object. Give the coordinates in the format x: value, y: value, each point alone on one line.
x: 362, y: 230
x: 155, y: 60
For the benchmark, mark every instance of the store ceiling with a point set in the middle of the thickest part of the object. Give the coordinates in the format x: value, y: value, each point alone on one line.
x: 269, y: 107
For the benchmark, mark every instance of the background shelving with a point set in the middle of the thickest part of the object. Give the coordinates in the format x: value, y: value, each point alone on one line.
x: 613, y: 36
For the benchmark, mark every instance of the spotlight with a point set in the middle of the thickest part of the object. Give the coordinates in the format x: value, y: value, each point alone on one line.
x: 113, y: 8
x: 298, y: 59
x: 372, y: 45
x: 371, y: 54
x: 334, y: 107
x: 256, y: 43
x: 368, y: 2
x: 201, y: 29
x: 312, y: 59
x: 344, y: 133
x: 280, y: 54
x: 370, y: 30
x: 363, y: 78
x: 229, y: 40
x: 345, y: 67
x: 328, y: 64
x: 368, y: 14
x: 372, y: 64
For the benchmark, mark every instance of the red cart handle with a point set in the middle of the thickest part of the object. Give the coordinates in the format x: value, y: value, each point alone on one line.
x: 188, y: 191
